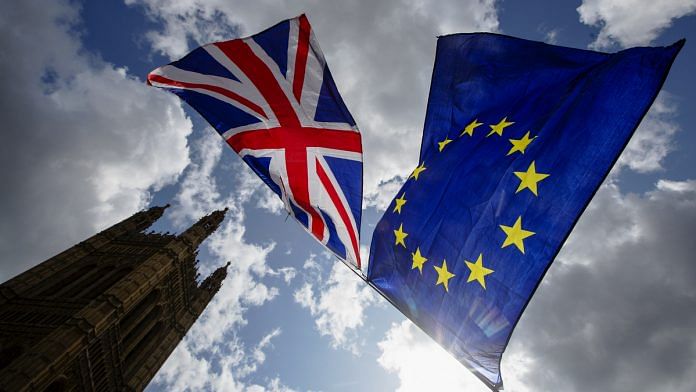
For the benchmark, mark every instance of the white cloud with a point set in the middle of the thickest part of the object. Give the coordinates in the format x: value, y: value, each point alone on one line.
x: 198, y: 193
x: 182, y: 370
x: 551, y: 36
x: 211, y: 356
x: 251, y: 186
x: 338, y: 304
x: 287, y: 273
x: 257, y: 356
x: 631, y: 22
x: 385, y: 192
x: 380, y: 53
x: 84, y: 142
x: 269, y: 201
x: 191, y: 371
x: 221, y: 360
x: 676, y: 187
x: 653, y: 139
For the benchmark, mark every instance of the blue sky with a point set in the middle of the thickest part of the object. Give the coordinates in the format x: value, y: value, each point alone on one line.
x: 87, y: 143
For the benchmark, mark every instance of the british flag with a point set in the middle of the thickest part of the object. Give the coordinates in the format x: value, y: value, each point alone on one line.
x: 272, y: 98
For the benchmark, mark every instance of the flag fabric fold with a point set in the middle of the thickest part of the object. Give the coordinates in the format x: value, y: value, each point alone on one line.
x: 518, y: 137
x: 272, y: 98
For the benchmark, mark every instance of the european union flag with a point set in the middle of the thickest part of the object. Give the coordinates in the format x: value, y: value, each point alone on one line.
x: 518, y: 137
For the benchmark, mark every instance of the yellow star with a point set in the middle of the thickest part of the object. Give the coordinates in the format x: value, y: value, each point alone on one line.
x: 418, y: 260
x: 443, y: 276
x: 516, y: 235
x: 400, y: 236
x: 520, y: 144
x: 469, y: 129
x: 417, y: 171
x: 399, y: 203
x: 478, y: 271
x: 529, y: 179
x: 441, y: 145
x: 498, y: 128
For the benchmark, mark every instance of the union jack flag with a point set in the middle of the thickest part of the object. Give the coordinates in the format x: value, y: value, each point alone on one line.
x: 272, y: 98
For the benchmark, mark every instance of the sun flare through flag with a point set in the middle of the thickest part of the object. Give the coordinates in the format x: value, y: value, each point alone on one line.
x: 272, y: 98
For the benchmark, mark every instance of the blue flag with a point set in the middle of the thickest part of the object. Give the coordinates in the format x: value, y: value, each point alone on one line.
x: 518, y: 137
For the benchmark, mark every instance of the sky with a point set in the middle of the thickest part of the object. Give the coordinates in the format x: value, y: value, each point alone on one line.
x: 87, y: 143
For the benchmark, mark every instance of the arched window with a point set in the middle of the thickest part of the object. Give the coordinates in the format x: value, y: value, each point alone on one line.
x: 72, y: 288
x: 144, y: 327
x: 136, y: 314
x: 66, y: 280
x: 108, y: 278
x: 144, y: 347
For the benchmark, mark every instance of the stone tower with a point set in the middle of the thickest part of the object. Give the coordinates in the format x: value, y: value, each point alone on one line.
x: 105, y: 314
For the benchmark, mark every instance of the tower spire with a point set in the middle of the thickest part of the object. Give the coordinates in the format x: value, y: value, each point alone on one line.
x: 138, y: 222
x: 205, y: 226
x: 205, y: 292
x: 214, y: 281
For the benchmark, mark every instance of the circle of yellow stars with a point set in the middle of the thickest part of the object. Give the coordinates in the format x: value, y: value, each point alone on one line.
x: 515, y: 234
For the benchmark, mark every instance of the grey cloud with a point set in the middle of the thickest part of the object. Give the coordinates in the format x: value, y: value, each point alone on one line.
x: 617, y: 310
x: 84, y: 143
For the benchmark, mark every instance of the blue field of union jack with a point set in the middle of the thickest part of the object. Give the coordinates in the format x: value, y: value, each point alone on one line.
x: 272, y: 98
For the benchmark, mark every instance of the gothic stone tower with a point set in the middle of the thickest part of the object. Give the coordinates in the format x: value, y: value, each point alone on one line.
x: 105, y: 314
